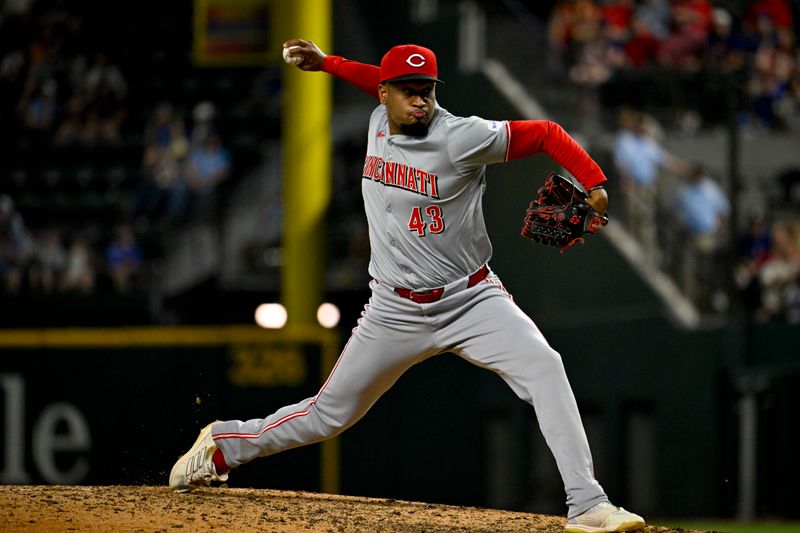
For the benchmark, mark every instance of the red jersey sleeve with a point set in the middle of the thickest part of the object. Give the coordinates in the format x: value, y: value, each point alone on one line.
x: 365, y: 77
x: 528, y: 137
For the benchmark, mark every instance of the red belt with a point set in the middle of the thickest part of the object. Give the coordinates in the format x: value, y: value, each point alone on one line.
x: 434, y: 295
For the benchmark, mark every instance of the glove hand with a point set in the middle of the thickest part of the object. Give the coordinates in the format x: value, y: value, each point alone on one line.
x: 563, y: 213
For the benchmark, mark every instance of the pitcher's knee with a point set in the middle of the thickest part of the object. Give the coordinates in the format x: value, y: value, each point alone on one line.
x: 551, y: 362
x: 542, y: 364
x: 330, y: 425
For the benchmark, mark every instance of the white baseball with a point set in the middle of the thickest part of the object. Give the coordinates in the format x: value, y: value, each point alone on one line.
x: 292, y: 60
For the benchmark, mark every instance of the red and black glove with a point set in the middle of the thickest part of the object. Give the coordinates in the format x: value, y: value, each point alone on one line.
x: 561, y: 214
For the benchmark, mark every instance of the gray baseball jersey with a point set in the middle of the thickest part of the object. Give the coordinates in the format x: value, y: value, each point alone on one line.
x: 423, y: 201
x: 423, y: 198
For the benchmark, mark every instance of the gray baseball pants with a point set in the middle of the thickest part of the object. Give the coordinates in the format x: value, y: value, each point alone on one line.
x: 481, y: 324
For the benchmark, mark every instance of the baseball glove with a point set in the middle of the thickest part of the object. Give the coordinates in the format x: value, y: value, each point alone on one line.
x: 561, y: 215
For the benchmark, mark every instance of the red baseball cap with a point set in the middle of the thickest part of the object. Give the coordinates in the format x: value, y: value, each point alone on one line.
x: 409, y: 62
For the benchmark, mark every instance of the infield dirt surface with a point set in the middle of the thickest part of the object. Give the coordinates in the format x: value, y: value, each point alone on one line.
x: 45, y: 508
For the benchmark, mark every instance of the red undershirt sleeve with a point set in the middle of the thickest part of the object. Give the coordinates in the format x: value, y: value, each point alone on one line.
x: 365, y: 77
x: 528, y: 137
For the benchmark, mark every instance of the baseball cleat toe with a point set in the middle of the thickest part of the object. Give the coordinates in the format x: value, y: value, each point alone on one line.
x: 604, y: 517
x: 196, y: 467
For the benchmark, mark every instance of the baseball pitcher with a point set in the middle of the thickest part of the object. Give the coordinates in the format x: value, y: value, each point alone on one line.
x: 433, y: 291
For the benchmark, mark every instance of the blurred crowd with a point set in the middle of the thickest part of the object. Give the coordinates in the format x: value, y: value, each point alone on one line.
x: 53, y: 80
x: 767, y: 271
x: 59, y: 88
x: 184, y: 165
x: 56, y: 88
x: 677, y: 210
x: 680, y: 214
x: 53, y: 260
x: 594, y: 39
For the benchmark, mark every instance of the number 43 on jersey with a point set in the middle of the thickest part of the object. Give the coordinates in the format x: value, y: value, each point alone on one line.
x: 419, y: 222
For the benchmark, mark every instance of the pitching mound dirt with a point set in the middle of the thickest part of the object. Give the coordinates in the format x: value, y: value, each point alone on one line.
x: 148, y: 509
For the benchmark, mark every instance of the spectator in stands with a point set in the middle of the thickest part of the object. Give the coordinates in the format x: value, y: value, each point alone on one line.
x: 15, y: 245
x: 45, y: 61
x: 769, y: 16
x: 638, y: 158
x: 203, y: 116
x: 769, y: 26
x: 124, y: 258
x: 642, y: 47
x: 755, y: 246
x: 595, y: 61
x: 51, y: 35
x: 702, y: 209
x: 599, y: 52
x: 572, y: 24
x: 104, y: 89
x: 208, y: 166
x: 683, y: 48
x: 39, y: 112
x: 165, y: 154
x: 595, y: 39
x: 47, y: 261
x: 692, y: 15
x: 779, y: 276
x: 79, y: 269
x: 773, y: 69
x: 158, y: 132
x: 726, y: 47
x: 753, y: 249
x: 655, y: 15
x: 617, y: 18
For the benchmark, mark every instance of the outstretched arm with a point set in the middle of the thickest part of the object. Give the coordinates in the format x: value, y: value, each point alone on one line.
x: 528, y: 137
x: 365, y: 77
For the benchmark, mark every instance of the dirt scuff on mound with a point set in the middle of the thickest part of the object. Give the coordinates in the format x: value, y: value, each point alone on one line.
x: 44, y: 508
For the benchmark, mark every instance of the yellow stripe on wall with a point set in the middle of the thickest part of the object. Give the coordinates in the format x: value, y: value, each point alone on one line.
x: 158, y: 336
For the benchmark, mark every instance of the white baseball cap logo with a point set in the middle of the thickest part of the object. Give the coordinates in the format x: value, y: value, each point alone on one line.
x: 416, y: 60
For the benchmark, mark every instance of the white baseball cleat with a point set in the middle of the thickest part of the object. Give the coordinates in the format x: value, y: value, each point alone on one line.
x: 604, y: 517
x: 195, y: 468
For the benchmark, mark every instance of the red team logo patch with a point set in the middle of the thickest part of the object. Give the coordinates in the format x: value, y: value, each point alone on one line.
x: 416, y: 60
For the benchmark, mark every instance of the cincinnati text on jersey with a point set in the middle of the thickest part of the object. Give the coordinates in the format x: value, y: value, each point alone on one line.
x: 393, y: 174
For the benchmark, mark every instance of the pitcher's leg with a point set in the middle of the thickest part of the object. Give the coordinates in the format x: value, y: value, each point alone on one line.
x: 500, y: 337
x: 373, y: 359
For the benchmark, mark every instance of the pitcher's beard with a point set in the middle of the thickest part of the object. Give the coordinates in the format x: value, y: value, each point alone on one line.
x: 417, y: 129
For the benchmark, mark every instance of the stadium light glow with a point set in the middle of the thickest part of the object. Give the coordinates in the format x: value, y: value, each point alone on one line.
x: 271, y: 316
x: 328, y: 315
